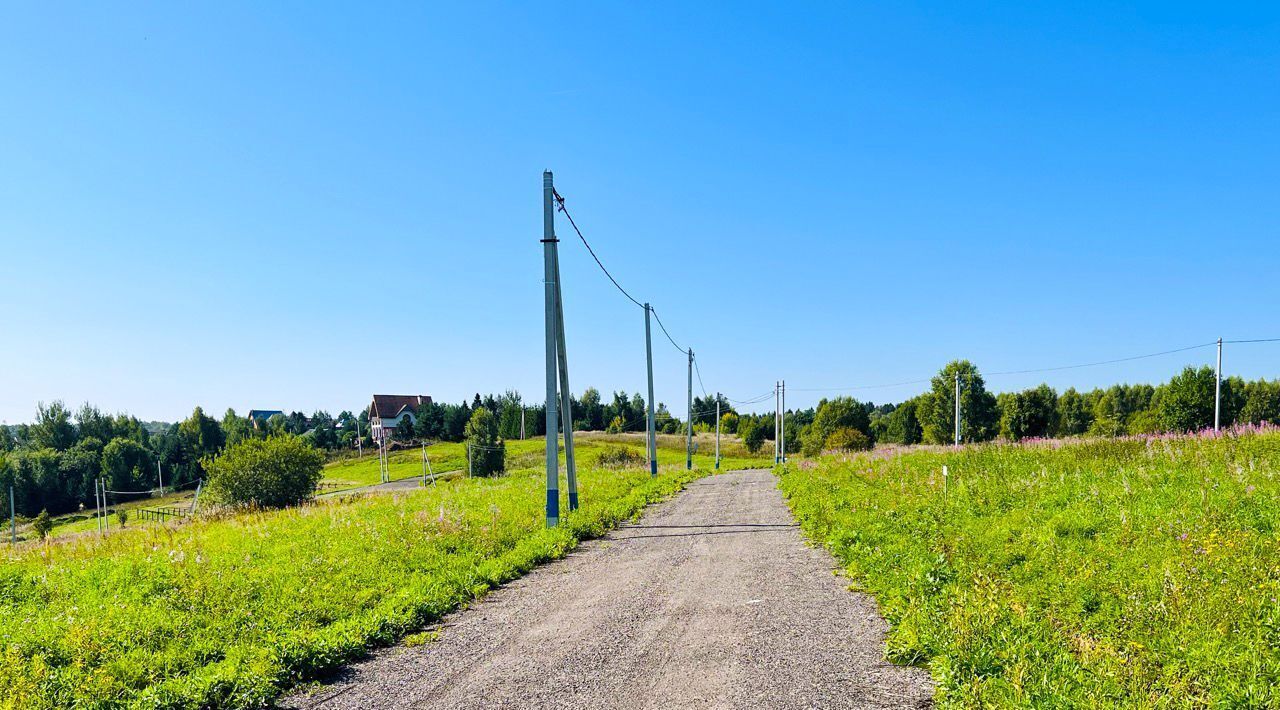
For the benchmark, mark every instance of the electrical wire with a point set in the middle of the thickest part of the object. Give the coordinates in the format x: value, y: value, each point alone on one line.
x: 1255, y: 340
x: 698, y: 370
x: 1101, y: 362
x: 560, y: 205
x: 654, y: 311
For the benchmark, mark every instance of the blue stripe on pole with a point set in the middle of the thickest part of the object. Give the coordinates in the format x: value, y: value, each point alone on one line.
x: 573, y: 500
x: 653, y: 468
x: 553, y: 504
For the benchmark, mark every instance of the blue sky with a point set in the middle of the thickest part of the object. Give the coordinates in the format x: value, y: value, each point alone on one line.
x: 296, y: 205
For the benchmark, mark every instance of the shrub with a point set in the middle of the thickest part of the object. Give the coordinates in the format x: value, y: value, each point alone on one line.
x: 848, y: 439
x: 43, y: 524
x: 123, y: 517
x: 268, y: 473
x: 620, y: 457
x: 488, y: 452
x: 752, y: 435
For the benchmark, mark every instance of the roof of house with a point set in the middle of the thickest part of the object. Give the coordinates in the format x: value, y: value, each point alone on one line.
x: 263, y: 413
x: 391, y: 405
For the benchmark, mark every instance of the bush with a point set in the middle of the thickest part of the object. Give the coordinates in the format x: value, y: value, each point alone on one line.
x: 620, y: 457
x: 848, y: 439
x: 488, y: 452
x: 43, y: 524
x: 268, y: 473
x: 752, y: 435
x: 123, y: 517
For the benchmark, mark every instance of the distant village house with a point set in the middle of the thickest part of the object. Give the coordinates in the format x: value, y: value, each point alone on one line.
x: 259, y: 417
x: 388, y: 409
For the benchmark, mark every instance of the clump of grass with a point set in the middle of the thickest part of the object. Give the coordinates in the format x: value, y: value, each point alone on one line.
x: 1134, y: 573
x: 613, y: 456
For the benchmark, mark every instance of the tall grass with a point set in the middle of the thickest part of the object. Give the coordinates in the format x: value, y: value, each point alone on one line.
x: 1132, y: 573
x: 230, y: 611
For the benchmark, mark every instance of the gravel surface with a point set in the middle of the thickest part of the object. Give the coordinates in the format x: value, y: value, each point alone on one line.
x: 712, y: 600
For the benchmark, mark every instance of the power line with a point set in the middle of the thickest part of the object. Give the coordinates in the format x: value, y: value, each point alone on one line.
x: 560, y: 204
x: 654, y: 311
x: 699, y: 372
x: 1103, y: 362
x: 1255, y: 340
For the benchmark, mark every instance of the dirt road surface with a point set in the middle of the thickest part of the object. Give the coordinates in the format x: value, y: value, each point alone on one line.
x: 711, y: 600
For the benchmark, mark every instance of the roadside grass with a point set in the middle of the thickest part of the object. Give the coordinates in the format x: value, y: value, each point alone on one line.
x: 1126, y: 573
x: 229, y: 611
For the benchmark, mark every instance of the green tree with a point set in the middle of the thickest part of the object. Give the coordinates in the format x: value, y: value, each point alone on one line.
x: 235, y: 428
x: 486, y: 448
x: 1186, y: 401
x: 126, y: 465
x: 1261, y: 402
x: 1028, y: 414
x: 902, y: 425
x: 404, y: 429
x: 43, y: 524
x: 266, y: 473
x: 591, y: 410
x: 752, y: 434
x: 832, y: 415
x: 979, y: 419
x: 848, y: 439
x: 729, y: 423
x: 201, y: 434
x: 1074, y: 414
x: 53, y: 428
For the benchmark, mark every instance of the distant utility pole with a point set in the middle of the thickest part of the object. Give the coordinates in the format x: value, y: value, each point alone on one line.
x: 522, y: 422
x: 97, y: 502
x: 13, y: 525
x: 1217, y: 392
x: 651, y: 446
x: 469, y: 461
x: 782, y: 424
x: 359, y: 443
x: 777, y: 392
x: 688, y: 439
x: 957, y: 409
x: 717, y: 431
x: 424, y: 463
x: 160, y: 473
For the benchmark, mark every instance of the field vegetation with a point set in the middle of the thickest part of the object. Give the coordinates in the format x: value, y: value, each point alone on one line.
x: 1133, y: 572
x: 231, y: 609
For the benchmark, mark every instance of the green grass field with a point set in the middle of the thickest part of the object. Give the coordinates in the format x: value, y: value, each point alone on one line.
x: 229, y: 611
x: 1127, y: 573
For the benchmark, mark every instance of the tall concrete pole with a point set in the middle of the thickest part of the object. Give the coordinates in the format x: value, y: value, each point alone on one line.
x: 1217, y: 392
x: 717, y: 431
x: 13, y: 525
x: 652, y: 446
x: 782, y: 424
x: 549, y: 293
x: 777, y: 392
x: 566, y: 396
x: 160, y: 473
x: 688, y: 440
x: 957, y: 409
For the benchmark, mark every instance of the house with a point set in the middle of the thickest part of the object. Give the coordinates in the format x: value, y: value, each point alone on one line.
x: 387, y: 410
x: 259, y: 417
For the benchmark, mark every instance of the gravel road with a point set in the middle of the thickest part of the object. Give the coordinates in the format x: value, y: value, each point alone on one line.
x: 712, y: 600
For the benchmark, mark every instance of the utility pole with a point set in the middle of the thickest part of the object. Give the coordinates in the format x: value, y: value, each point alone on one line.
x: 424, y: 463
x: 782, y: 424
x: 688, y: 439
x: 957, y: 409
x: 359, y: 437
x: 97, y: 502
x: 651, y: 446
x: 1217, y: 392
x: 469, y: 461
x: 777, y: 391
x: 717, y: 431
x: 522, y: 422
x: 160, y: 473
x: 13, y: 525
x: 549, y: 264
x: 566, y: 395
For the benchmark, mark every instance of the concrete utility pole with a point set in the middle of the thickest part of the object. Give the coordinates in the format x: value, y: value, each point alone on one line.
x: 717, y: 431
x: 1217, y: 392
x: 566, y: 396
x: 424, y: 463
x: 469, y: 461
x: 97, y: 502
x: 13, y: 525
x: 782, y: 424
x: 957, y: 409
x: 160, y: 473
x: 359, y: 443
x: 522, y: 422
x: 777, y: 391
x: 652, y: 433
x: 688, y: 440
x: 549, y: 262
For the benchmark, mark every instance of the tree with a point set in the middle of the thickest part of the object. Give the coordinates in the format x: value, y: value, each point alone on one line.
x: 42, y: 525
x: 902, y: 425
x: 1028, y: 414
x: 979, y: 418
x: 404, y: 429
x: 53, y: 428
x: 1074, y: 414
x: 1261, y: 403
x: 90, y: 422
x: 126, y: 465
x: 6, y: 439
x: 486, y: 448
x: 591, y: 410
x: 235, y: 428
x: 752, y: 434
x: 834, y: 414
x: 201, y: 434
x: 729, y: 422
x: 267, y: 473
x: 848, y: 439
x: 1186, y: 401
